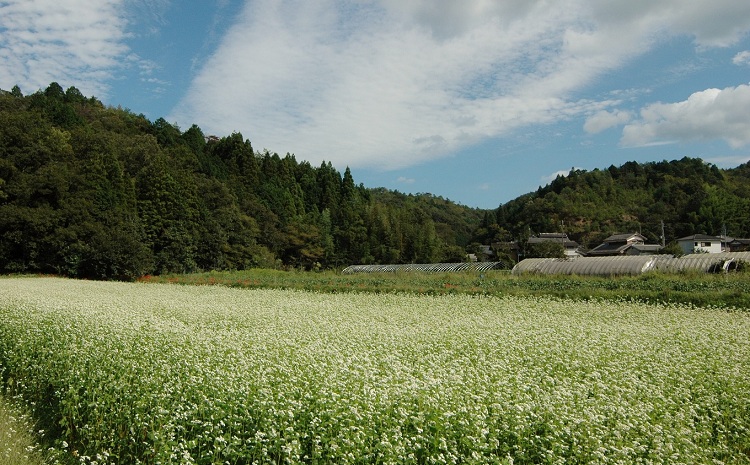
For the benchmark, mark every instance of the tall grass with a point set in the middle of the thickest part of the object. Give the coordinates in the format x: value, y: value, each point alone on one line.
x: 18, y: 440
x: 700, y: 289
x: 134, y: 373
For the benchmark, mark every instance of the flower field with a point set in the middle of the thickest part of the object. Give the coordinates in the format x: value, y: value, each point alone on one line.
x: 728, y: 290
x: 158, y: 373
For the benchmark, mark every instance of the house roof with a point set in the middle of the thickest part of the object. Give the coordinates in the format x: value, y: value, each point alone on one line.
x: 552, y: 236
x: 560, y: 240
x: 699, y: 237
x: 609, y: 248
x: 627, y: 237
x: 647, y: 247
x: 617, y: 244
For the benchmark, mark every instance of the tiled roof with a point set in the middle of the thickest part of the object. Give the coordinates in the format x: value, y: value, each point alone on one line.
x: 560, y: 240
x: 647, y: 247
x: 700, y: 237
x: 624, y: 237
x: 552, y: 236
x: 609, y: 248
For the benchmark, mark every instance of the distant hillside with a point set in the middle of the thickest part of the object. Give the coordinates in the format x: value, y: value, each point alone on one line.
x: 689, y: 196
x: 97, y: 192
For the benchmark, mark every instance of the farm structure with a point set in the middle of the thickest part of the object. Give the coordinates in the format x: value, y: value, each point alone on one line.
x: 619, y: 265
x: 737, y: 245
x: 700, y: 243
x: 624, y: 244
x: 632, y: 265
x: 428, y: 267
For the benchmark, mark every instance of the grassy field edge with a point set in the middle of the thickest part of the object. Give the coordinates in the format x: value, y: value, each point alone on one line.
x: 717, y: 290
x: 18, y: 440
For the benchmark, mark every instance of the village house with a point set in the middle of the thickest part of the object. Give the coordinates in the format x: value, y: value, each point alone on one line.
x: 734, y: 244
x: 700, y: 243
x: 569, y: 247
x: 628, y: 244
x: 737, y: 245
x: 624, y: 244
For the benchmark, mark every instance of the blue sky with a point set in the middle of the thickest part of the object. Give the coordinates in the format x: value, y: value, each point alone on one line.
x: 478, y: 101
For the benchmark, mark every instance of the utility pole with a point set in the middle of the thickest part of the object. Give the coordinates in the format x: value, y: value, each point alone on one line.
x: 663, y: 239
x: 562, y: 236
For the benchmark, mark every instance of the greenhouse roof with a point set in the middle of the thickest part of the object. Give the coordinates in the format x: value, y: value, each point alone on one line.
x: 429, y: 267
x: 708, y: 262
x: 621, y: 265
x: 632, y: 265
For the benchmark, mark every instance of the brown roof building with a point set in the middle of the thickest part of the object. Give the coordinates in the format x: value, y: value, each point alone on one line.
x: 624, y: 244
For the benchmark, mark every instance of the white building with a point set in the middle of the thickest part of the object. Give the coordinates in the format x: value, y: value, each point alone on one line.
x: 700, y: 243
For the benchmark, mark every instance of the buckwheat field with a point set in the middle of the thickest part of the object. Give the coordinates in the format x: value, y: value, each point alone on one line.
x: 156, y: 374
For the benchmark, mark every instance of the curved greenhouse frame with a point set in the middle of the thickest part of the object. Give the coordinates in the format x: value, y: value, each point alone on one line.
x: 599, y: 266
x: 426, y: 267
x: 633, y: 265
x: 706, y: 262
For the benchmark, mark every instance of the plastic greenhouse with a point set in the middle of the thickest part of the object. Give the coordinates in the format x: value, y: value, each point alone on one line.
x: 633, y: 265
x: 707, y: 262
x: 428, y: 267
x: 601, y: 266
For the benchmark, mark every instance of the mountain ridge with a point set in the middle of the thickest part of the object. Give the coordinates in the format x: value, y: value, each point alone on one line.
x: 101, y: 192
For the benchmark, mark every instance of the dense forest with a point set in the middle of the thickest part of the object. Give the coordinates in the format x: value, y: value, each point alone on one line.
x: 92, y: 191
x: 99, y: 192
x: 679, y: 197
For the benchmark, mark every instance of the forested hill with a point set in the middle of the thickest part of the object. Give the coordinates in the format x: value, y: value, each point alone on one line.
x: 99, y: 192
x: 689, y: 196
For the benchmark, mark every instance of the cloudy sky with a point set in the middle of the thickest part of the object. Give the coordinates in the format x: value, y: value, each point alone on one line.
x: 478, y: 101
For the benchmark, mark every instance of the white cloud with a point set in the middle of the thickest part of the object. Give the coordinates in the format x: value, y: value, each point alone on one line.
x: 446, y: 19
x: 392, y: 83
x: 551, y: 177
x: 405, y: 180
x: 72, y: 42
x: 604, y: 120
x: 713, y: 23
x: 742, y: 58
x: 707, y: 115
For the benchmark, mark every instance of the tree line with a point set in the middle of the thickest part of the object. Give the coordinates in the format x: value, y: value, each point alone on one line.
x: 92, y: 191
x: 98, y: 192
x: 675, y: 198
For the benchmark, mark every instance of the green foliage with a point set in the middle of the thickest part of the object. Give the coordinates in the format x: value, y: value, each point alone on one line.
x: 726, y: 290
x: 672, y: 248
x: 547, y: 249
x: 687, y: 195
x: 102, y: 193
